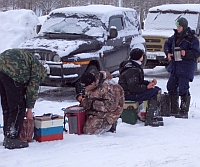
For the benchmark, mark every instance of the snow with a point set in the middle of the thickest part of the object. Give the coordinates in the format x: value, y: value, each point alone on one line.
x: 92, y: 9
x: 42, y: 19
x: 14, y: 21
x: 174, y: 144
x: 177, y: 7
x: 161, y: 19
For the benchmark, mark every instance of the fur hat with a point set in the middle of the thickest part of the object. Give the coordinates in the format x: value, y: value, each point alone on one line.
x: 182, y: 22
x: 136, y: 54
x: 87, y: 78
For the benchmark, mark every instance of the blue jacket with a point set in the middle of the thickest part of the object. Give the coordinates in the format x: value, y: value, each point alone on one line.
x: 190, y: 43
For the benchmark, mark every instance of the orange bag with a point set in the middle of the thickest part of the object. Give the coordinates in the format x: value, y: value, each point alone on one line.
x: 27, y: 130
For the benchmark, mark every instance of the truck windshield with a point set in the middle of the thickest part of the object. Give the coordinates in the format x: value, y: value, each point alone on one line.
x: 166, y: 20
x: 74, y: 24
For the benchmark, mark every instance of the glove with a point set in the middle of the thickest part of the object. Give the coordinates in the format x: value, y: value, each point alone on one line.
x: 86, y: 103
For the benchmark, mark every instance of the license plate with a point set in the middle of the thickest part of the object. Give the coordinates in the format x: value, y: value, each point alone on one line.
x: 151, y: 56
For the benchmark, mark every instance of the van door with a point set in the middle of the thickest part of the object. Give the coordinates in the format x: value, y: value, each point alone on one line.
x: 117, y: 49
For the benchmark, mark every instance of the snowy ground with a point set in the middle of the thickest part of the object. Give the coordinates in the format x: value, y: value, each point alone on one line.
x: 176, y: 144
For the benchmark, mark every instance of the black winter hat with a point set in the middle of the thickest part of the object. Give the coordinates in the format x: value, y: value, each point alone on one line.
x: 87, y: 78
x: 136, y: 54
x: 182, y: 22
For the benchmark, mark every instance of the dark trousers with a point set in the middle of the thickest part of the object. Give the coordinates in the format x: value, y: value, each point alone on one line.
x: 13, y: 105
x: 148, y: 94
x: 178, y: 85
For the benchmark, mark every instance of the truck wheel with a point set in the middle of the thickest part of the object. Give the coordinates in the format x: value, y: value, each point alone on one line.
x: 92, y: 69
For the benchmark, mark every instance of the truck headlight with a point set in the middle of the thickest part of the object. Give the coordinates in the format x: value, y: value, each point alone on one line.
x: 37, y: 56
x: 56, y: 58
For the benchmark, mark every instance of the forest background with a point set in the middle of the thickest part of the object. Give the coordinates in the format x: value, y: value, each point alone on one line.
x: 43, y: 7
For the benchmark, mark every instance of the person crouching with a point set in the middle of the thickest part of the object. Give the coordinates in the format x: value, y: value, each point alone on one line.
x: 103, y: 102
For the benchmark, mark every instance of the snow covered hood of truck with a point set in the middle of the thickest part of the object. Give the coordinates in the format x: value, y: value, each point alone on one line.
x: 59, y: 46
x: 152, y: 32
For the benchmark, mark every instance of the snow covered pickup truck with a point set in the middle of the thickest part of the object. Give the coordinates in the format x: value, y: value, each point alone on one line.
x: 85, y: 38
x: 159, y: 25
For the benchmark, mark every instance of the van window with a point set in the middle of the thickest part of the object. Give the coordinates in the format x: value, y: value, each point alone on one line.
x: 117, y: 22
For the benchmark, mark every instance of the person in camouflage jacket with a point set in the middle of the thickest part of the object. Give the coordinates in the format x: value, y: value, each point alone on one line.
x: 20, y: 76
x: 103, y: 102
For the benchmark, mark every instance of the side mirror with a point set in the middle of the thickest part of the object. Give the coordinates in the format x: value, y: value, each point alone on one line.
x: 38, y: 28
x: 113, y: 32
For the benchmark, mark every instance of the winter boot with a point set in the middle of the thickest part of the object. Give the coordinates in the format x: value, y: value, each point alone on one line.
x: 152, y: 109
x: 157, y: 114
x: 174, y: 105
x: 113, y: 128
x: 165, y: 105
x: 14, y: 143
x: 184, y: 107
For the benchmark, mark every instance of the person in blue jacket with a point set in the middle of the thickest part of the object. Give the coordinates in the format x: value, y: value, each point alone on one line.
x: 186, y: 44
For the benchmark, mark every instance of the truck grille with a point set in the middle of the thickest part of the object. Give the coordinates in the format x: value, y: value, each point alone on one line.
x: 153, y: 40
x: 154, y: 44
x: 43, y: 54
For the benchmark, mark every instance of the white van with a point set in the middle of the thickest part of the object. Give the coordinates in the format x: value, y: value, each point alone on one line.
x: 159, y: 27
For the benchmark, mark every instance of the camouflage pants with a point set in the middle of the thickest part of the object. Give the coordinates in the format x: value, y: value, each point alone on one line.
x: 95, y: 125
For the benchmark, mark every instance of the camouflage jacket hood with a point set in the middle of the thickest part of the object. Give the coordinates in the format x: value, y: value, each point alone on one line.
x: 107, y: 98
x: 23, y: 67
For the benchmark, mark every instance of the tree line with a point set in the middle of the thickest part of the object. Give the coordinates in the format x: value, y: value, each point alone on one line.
x: 43, y: 7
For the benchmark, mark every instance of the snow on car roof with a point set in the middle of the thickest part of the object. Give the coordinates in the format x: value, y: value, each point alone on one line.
x: 93, y: 9
x: 177, y: 7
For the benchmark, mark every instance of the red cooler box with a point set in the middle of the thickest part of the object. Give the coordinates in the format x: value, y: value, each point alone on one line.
x: 76, y: 119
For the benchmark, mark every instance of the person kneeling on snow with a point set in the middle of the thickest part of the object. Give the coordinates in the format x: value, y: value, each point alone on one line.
x: 103, y: 102
x: 131, y: 79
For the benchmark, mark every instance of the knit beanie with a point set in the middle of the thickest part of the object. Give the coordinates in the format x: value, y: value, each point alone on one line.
x: 182, y: 22
x: 136, y: 54
x: 87, y: 78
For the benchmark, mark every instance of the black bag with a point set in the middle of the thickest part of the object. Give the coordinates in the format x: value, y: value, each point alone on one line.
x: 165, y: 105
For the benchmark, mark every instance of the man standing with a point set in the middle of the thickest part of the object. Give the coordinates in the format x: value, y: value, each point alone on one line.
x: 103, y: 102
x: 20, y: 76
x: 184, y: 44
x: 131, y: 79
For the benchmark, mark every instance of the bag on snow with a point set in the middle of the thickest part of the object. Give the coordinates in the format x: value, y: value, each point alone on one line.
x: 165, y: 105
x: 27, y: 130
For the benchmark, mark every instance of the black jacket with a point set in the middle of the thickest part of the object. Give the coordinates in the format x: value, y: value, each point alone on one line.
x: 131, y: 77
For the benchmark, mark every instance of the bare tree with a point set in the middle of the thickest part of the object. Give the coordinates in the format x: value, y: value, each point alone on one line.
x: 48, y: 5
x: 43, y: 7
